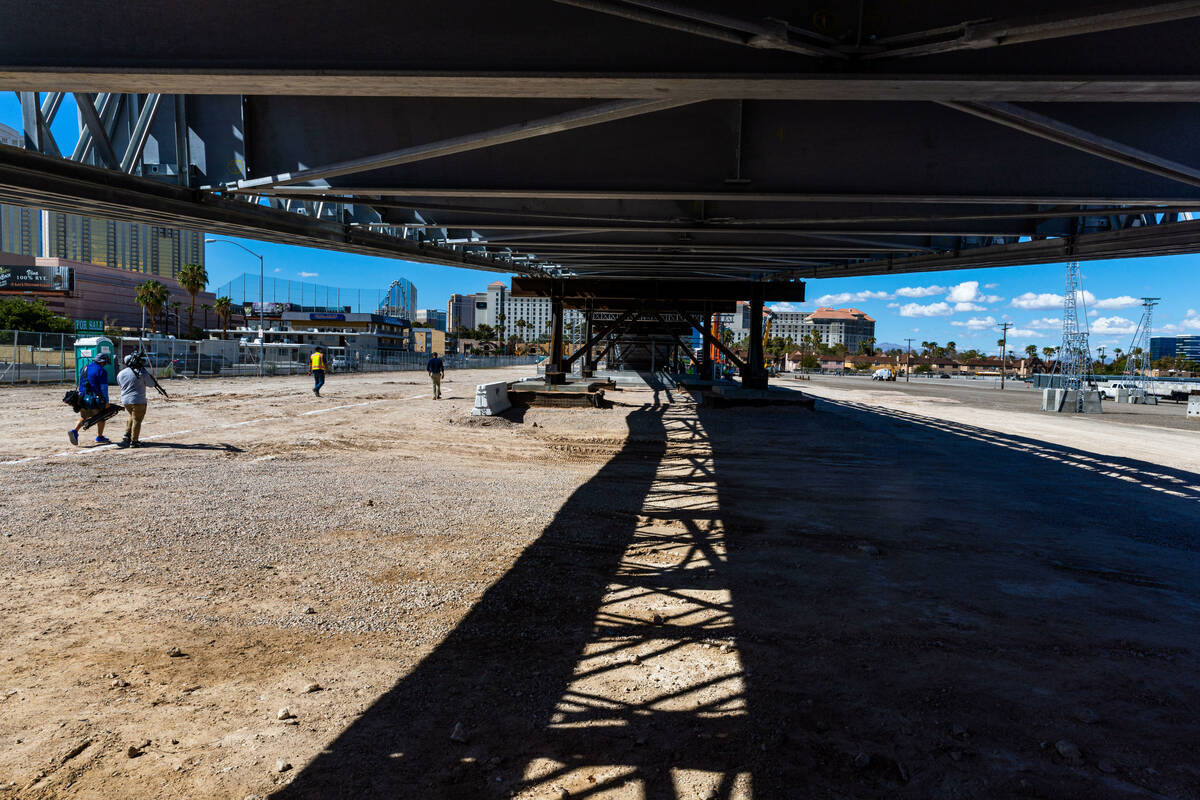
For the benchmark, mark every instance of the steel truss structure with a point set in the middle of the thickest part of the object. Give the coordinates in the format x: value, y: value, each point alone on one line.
x: 626, y: 138
x: 1138, y: 362
x: 1075, y: 354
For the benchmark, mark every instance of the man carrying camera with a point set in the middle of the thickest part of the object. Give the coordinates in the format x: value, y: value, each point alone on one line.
x: 93, y: 391
x: 133, y: 397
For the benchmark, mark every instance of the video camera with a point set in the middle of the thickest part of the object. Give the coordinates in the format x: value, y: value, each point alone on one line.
x: 138, y: 362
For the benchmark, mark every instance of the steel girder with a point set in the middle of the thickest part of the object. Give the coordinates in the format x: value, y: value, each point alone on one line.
x: 631, y: 138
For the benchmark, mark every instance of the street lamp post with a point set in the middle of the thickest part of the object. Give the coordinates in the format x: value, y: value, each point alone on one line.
x: 262, y: 327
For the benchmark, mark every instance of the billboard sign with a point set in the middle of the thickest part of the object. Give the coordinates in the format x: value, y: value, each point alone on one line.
x: 29, y: 279
x: 320, y: 315
x: 270, y: 308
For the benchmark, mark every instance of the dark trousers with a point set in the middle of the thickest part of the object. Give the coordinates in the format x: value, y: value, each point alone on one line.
x: 318, y: 380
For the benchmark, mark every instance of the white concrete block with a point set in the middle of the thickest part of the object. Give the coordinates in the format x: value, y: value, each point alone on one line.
x: 491, y: 399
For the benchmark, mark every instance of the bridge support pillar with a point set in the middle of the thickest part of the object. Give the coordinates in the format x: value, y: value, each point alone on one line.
x: 755, y: 375
x: 589, y: 364
x: 554, y: 366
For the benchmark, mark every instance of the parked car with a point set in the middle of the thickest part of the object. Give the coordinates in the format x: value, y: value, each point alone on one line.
x: 344, y: 364
x: 1110, y: 391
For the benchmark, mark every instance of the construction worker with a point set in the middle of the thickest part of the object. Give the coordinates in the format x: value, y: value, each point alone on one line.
x: 93, y: 388
x: 317, y: 368
x: 437, y: 371
x: 133, y: 397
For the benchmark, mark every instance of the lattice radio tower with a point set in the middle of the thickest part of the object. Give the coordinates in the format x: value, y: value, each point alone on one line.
x: 1137, y: 362
x: 1075, y: 355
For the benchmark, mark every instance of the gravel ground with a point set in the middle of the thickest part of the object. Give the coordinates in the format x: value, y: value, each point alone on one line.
x: 372, y: 594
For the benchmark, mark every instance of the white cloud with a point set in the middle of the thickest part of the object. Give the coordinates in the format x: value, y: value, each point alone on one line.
x: 851, y: 297
x: 1124, y: 301
x: 893, y: 305
x: 991, y: 285
x: 785, y: 307
x: 1093, y: 313
x: 968, y: 292
x: 931, y: 310
x: 1030, y: 301
x: 1105, y: 325
x: 969, y: 307
x: 1045, y: 324
x: 308, y: 274
x: 975, y: 323
x: 1190, y: 322
x: 919, y: 291
x: 1014, y: 333
x: 279, y: 269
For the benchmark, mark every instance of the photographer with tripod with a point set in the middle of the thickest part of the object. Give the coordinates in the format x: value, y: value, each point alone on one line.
x: 133, y: 381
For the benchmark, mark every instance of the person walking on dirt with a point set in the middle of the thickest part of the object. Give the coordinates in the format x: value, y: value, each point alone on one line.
x: 437, y: 371
x: 93, y: 388
x: 133, y: 397
x: 317, y: 368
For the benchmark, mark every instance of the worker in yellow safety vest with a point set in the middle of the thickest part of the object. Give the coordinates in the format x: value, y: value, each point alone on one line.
x: 317, y: 368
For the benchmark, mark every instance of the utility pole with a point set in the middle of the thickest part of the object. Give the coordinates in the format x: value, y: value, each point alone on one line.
x: 1004, y: 326
x: 908, y: 360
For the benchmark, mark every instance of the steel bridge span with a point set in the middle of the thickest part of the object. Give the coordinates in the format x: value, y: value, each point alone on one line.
x: 765, y: 141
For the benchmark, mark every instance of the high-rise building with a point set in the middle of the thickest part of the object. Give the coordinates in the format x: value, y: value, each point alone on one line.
x: 527, y: 318
x: 460, y: 312
x: 434, y: 317
x: 1171, y: 346
x: 133, y: 246
x: 845, y: 326
x: 10, y: 137
x: 400, y: 300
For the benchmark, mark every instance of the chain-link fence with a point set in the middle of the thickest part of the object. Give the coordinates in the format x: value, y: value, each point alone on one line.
x: 30, y: 358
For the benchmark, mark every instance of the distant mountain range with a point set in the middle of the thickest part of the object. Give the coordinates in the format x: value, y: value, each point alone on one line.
x: 885, y: 346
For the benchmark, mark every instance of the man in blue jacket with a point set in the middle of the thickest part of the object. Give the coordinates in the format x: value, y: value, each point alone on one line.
x: 93, y: 386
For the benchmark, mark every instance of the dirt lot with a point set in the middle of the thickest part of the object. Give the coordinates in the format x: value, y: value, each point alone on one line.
x: 902, y: 596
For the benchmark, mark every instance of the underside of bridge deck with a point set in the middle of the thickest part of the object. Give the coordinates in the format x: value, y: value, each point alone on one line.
x: 626, y: 139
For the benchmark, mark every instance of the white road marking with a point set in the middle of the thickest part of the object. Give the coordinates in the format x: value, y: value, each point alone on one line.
x: 334, y: 408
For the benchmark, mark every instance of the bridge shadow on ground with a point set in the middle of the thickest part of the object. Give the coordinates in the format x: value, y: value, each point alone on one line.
x: 767, y: 603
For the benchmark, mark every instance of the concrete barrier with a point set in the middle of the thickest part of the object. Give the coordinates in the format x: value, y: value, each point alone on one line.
x: 1194, y: 405
x: 491, y: 399
x: 1062, y: 400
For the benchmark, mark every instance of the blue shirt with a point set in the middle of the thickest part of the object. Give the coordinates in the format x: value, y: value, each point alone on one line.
x: 435, y: 366
x: 95, y: 379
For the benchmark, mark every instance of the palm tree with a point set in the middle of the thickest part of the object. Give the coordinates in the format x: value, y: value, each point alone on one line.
x: 1031, y: 351
x: 952, y: 348
x: 224, y: 309
x: 151, y: 296
x: 500, y: 329
x: 193, y: 278
x: 205, y: 307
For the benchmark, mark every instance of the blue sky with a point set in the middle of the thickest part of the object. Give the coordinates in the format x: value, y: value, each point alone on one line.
x: 963, y: 306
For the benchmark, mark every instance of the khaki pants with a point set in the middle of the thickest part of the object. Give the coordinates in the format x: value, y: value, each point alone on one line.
x: 133, y: 427
x: 437, y: 386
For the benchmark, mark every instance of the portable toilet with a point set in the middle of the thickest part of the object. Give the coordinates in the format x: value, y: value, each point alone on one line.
x: 86, y: 351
